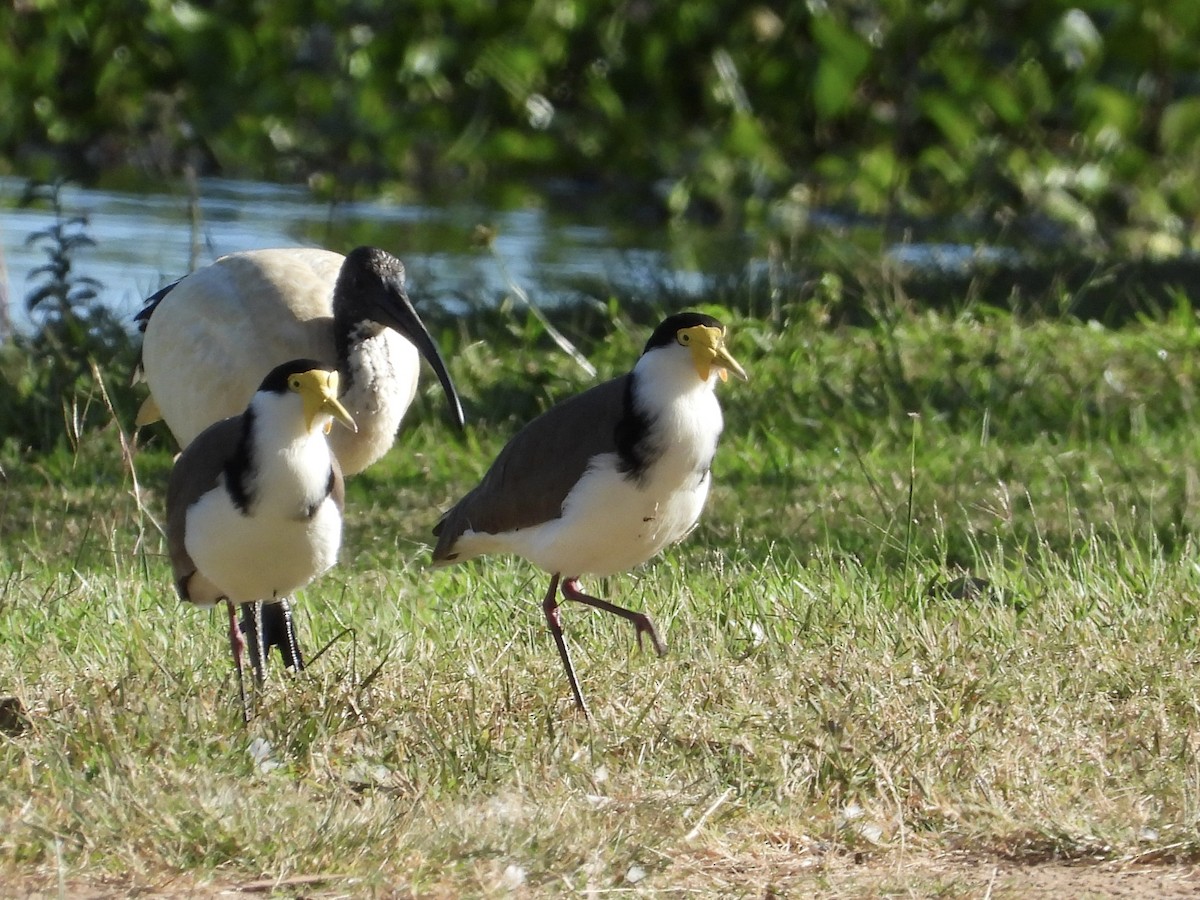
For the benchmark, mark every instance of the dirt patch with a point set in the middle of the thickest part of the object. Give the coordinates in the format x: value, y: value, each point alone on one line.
x: 813, y: 877
x: 996, y: 880
x: 917, y: 876
x: 1134, y: 882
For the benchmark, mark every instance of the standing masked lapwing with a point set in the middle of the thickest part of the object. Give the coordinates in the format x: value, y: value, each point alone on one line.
x: 254, y: 508
x: 208, y: 338
x: 603, y: 481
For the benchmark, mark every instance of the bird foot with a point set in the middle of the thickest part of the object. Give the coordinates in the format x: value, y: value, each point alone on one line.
x: 643, y: 625
x: 640, y: 621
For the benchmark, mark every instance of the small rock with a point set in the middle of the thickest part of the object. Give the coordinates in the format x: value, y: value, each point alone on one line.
x: 871, y: 831
x: 13, y: 718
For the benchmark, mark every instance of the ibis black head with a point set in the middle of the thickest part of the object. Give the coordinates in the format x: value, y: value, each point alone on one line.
x: 371, y: 287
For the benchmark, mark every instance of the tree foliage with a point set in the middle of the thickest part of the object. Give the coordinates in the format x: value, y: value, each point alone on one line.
x: 1085, y: 113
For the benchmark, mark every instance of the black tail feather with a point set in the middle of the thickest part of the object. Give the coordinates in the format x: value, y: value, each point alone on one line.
x: 278, y: 630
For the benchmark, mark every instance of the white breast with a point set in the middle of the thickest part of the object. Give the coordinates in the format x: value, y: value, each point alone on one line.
x: 251, y: 558
x: 611, y: 524
x: 291, y: 531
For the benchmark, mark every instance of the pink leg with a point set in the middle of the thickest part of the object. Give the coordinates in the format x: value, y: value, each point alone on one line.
x: 550, y: 608
x: 237, y: 644
x: 641, y: 621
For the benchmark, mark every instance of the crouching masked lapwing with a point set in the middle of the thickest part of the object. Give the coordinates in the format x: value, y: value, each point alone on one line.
x: 603, y: 481
x: 226, y: 324
x: 254, y: 509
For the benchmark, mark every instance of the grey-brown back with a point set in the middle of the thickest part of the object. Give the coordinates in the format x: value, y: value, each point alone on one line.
x: 196, y: 472
x: 530, y: 479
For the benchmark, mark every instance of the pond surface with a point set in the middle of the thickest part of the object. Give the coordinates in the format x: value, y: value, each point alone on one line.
x: 144, y: 241
x: 571, y: 245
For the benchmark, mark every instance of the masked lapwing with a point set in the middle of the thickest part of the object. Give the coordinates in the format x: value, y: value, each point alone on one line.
x: 254, y: 508
x: 603, y: 481
x: 208, y: 338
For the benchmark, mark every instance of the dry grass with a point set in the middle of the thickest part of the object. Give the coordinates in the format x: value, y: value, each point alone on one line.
x: 836, y: 716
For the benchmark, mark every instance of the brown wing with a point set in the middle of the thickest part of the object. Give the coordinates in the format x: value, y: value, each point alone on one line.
x: 535, y: 471
x: 195, y: 474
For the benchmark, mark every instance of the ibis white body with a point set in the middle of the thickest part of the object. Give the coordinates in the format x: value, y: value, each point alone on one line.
x: 228, y: 324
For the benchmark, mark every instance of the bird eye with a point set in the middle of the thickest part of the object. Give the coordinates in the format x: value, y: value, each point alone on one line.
x: 295, y: 384
x: 685, y: 338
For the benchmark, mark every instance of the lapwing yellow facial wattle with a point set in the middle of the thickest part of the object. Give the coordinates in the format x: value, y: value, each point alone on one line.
x: 605, y: 480
x: 226, y: 324
x: 254, y: 509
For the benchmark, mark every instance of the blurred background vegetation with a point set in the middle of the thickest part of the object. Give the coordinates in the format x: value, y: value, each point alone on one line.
x: 1078, y: 117
x: 1048, y: 124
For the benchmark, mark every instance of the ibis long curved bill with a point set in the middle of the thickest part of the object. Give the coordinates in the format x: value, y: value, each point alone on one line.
x: 386, y: 300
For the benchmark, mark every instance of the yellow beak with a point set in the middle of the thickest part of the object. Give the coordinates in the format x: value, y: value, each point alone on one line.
x: 318, y: 391
x: 708, y: 351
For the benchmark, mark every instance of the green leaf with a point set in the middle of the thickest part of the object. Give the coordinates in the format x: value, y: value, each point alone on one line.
x: 844, y: 58
x: 1004, y: 101
x: 1110, y: 108
x: 956, y: 123
x: 1180, y: 128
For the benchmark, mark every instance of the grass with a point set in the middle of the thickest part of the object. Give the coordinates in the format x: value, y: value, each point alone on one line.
x: 831, y: 694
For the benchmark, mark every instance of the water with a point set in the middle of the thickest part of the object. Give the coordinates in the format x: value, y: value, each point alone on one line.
x: 564, y: 246
x: 144, y: 241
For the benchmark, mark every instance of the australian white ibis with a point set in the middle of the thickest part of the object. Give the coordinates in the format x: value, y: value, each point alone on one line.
x: 210, y: 337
